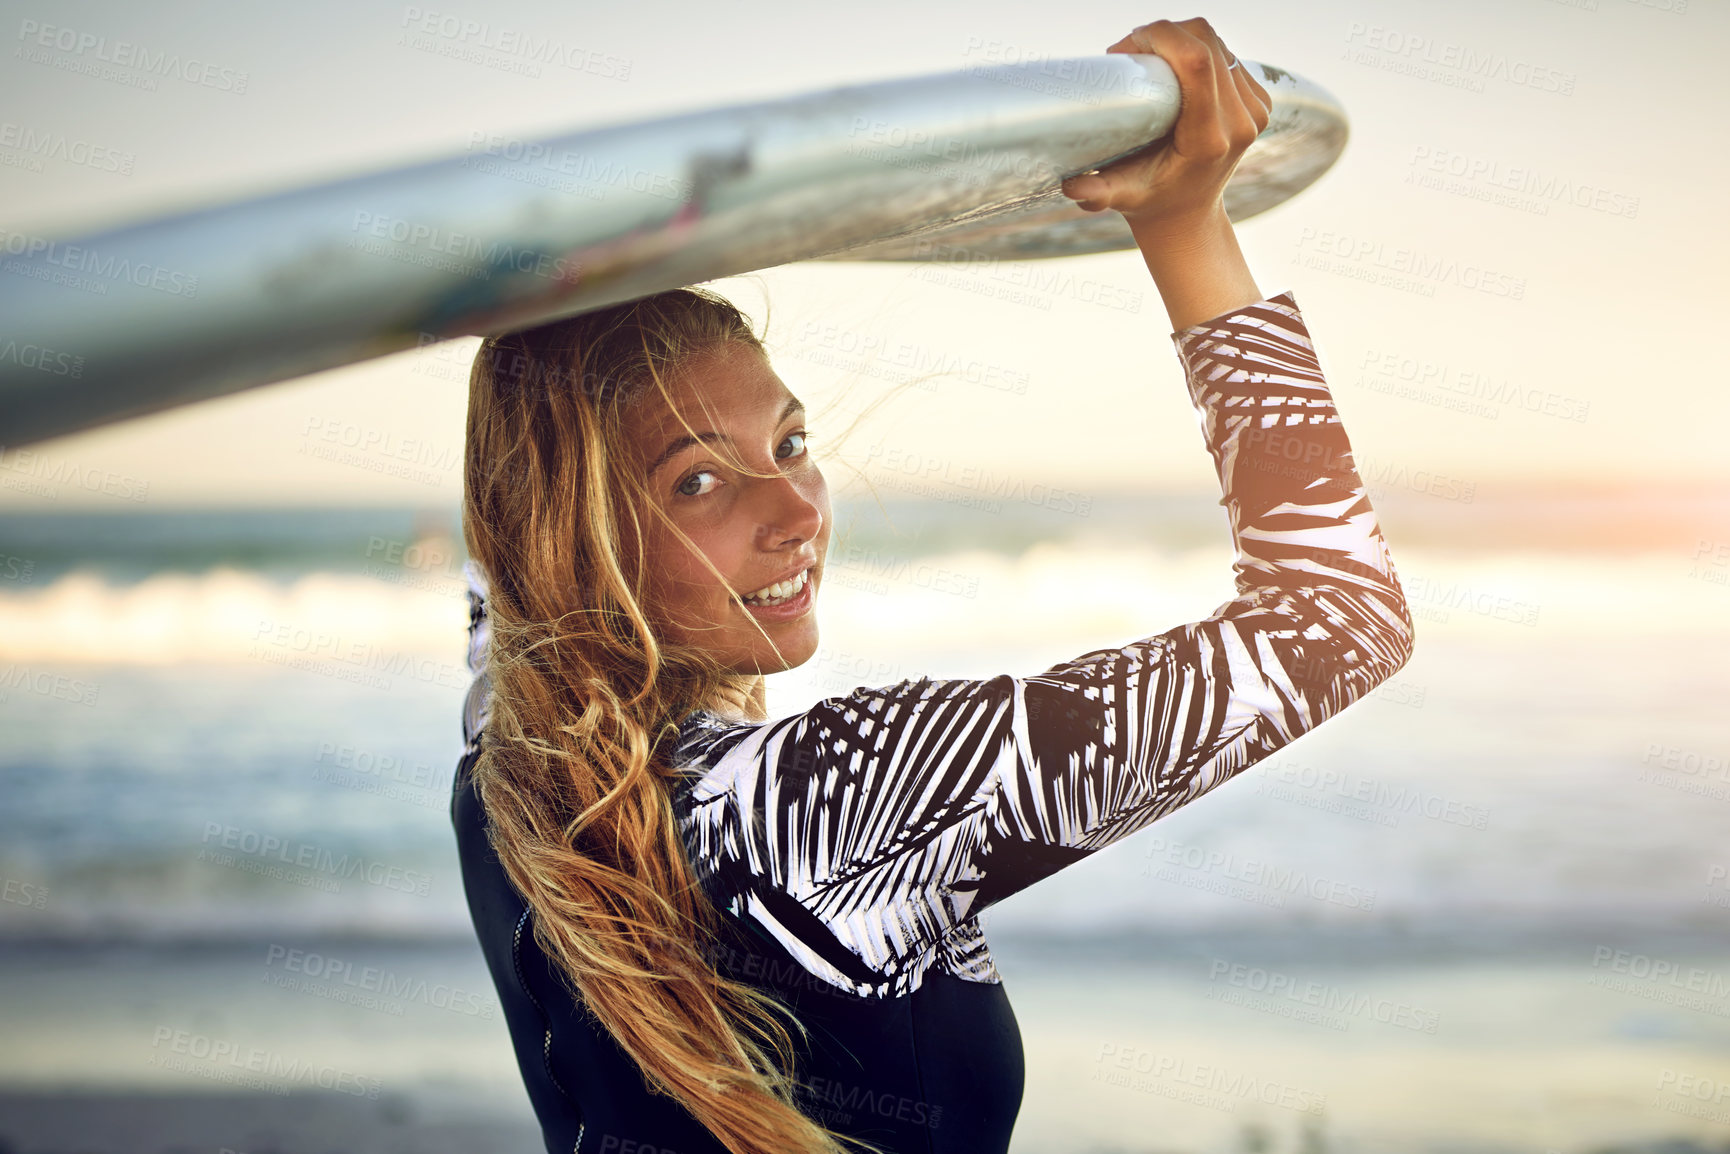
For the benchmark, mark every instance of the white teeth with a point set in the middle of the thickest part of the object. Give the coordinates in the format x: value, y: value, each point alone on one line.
x: 779, y: 591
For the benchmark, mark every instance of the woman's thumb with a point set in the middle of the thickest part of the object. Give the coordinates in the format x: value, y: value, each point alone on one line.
x: 1088, y: 190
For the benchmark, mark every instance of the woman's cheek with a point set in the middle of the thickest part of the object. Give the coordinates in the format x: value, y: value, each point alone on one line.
x: 671, y: 572
x: 697, y: 584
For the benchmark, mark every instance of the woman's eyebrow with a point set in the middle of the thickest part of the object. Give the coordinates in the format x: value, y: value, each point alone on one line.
x: 684, y: 442
x: 794, y: 405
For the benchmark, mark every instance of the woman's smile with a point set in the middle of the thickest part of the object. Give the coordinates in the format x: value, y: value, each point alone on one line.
x: 784, y: 600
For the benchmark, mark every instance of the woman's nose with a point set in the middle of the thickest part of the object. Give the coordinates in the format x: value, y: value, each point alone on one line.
x: 787, y: 511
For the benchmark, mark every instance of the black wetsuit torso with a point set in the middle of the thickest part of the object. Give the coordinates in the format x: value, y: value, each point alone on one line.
x: 936, y: 1071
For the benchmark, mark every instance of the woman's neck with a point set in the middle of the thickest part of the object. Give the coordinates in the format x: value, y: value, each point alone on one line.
x: 744, y: 700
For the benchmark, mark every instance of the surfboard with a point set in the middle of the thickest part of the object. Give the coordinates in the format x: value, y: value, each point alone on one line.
x: 174, y: 310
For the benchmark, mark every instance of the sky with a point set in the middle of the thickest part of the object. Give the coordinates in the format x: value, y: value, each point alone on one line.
x: 1583, y: 366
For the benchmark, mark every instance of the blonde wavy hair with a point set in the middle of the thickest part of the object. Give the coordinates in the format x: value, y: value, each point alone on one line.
x: 584, y: 692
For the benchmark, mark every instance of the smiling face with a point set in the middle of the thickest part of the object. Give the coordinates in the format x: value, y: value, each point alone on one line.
x: 767, y: 535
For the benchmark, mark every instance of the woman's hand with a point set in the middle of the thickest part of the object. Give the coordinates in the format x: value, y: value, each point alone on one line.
x: 1174, y: 186
x: 1171, y: 192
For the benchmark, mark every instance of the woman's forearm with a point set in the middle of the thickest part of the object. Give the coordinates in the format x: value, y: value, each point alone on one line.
x: 1198, y: 267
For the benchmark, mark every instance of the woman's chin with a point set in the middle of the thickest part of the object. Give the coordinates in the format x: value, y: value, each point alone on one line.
x: 795, y: 644
x: 794, y: 651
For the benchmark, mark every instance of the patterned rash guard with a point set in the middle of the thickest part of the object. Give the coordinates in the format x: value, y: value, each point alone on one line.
x: 853, y: 846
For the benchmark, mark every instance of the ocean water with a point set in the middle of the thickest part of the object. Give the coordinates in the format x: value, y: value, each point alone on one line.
x: 1485, y: 908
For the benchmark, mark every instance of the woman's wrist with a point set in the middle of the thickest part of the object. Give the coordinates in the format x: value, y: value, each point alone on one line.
x: 1197, y: 265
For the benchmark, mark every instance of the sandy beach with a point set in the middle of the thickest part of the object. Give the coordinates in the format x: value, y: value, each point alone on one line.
x: 1215, y: 1043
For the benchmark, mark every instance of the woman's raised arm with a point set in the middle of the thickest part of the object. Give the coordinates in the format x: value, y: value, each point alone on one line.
x: 867, y: 833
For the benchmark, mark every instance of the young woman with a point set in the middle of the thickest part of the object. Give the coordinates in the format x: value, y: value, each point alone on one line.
x: 711, y: 931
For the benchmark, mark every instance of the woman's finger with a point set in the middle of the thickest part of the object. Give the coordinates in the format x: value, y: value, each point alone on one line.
x: 1136, y: 39
x: 1198, y: 133
x: 1246, y: 113
x: 1237, y: 107
x: 1234, y: 119
x: 1256, y: 100
x: 1088, y: 191
x: 1262, y: 95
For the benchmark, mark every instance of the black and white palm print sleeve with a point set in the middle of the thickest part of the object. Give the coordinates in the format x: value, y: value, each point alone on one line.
x: 867, y: 833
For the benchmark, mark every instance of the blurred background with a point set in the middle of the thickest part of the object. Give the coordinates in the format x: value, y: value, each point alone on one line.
x: 1484, y: 910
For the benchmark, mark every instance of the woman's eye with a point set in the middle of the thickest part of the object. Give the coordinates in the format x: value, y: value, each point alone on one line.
x: 694, y: 486
x: 685, y: 488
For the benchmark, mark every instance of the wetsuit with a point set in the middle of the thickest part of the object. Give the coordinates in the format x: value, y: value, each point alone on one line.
x: 853, y: 846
